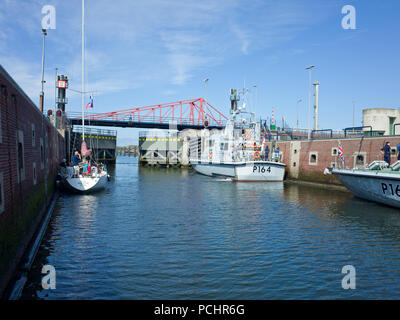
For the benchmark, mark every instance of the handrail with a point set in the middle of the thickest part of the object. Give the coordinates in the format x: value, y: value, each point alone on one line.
x: 78, y: 129
x: 357, y: 128
x: 321, y: 130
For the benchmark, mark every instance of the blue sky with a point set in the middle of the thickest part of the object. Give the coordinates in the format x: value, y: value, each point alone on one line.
x: 147, y: 52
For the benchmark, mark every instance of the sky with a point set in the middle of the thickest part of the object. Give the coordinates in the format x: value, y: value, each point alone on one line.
x: 147, y: 52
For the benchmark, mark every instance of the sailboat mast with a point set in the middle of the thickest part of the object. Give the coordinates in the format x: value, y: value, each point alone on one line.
x: 83, y: 70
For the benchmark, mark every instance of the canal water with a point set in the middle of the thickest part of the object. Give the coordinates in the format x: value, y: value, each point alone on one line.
x: 174, y: 234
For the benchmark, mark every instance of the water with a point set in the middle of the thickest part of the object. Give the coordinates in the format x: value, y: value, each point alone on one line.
x: 174, y: 234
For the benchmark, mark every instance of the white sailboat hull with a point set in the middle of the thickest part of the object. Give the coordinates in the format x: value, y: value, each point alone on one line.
x: 249, y: 171
x: 374, y: 185
x: 86, y: 184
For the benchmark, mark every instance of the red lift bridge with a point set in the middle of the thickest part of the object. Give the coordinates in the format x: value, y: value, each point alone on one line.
x: 185, y: 114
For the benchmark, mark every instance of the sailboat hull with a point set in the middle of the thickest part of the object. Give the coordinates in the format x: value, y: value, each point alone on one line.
x: 86, y: 184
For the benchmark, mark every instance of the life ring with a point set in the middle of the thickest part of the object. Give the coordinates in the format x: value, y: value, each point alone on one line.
x: 210, y: 155
x: 257, y: 155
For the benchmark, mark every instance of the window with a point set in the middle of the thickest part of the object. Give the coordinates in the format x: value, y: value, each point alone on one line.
x: 313, y: 160
x: 334, y: 151
x: 393, y: 151
x: 3, y: 95
x: 294, y: 164
x: 33, y: 135
x: 41, y: 154
x: 295, y: 151
x: 1, y: 193
x: 34, y: 174
x: 20, y: 156
x: 359, y: 159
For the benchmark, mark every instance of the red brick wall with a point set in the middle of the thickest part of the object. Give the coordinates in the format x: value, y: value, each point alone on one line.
x: 369, y: 148
x: 23, y: 200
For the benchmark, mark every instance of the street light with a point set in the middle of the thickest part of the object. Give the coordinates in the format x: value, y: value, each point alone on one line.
x: 205, y: 87
x: 42, y: 93
x: 255, y: 86
x: 309, y: 99
x: 297, y: 113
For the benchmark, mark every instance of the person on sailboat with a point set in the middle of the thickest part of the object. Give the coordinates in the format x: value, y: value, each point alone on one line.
x: 85, y: 168
x: 76, y: 159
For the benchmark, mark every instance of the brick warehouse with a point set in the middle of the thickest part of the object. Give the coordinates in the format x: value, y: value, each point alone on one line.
x: 306, y: 160
x: 30, y: 150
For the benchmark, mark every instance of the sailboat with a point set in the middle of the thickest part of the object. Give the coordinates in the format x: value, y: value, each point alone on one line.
x: 96, y: 177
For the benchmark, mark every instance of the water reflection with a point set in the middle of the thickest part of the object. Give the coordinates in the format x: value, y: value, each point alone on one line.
x: 173, y: 234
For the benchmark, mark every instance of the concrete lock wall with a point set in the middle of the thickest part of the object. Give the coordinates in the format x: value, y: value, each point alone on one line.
x: 157, y: 147
x: 30, y: 150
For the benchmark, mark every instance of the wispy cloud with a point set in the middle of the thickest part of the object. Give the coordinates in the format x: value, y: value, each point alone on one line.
x: 136, y: 43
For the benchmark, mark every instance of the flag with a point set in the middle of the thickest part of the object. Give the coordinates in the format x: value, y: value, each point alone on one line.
x: 263, y: 143
x: 340, y: 152
x: 85, y: 152
x: 90, y: 104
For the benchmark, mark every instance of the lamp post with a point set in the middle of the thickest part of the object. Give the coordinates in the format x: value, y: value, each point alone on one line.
x: 42, y: 92
x: 205, y: 87
x: 354, y: 107
x: 255, y: 86
x: 297, y: 113
x: 309, y: 99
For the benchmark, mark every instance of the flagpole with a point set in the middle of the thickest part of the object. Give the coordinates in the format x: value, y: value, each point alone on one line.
x: 83, y: 70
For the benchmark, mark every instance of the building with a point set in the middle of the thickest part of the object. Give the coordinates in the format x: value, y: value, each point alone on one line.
x: 382, y: 120
x: 30, y: 150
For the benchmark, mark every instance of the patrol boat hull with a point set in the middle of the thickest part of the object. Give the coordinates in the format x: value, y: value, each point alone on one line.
x: 373, y: 185
x: 244, y: 171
